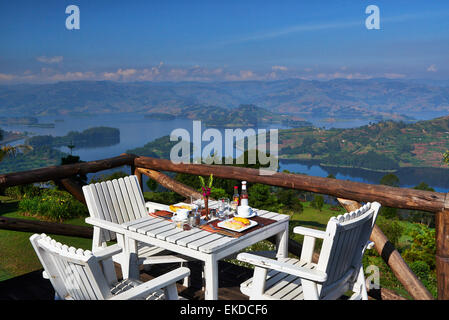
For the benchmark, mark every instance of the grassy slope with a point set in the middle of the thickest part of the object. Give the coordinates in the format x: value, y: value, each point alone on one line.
x: 16, y: 252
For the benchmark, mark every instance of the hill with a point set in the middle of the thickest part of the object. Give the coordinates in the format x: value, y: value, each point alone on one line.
x: 374, y: 99
x: 386, y: 145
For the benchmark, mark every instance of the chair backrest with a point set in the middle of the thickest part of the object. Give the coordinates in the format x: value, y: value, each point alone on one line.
x: 343, y: 248
x: 119, y: 200
x: 74, y: 273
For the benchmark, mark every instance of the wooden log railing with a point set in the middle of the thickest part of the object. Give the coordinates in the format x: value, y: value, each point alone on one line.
x: 388, y: 196
x: 63, y: 171
x: 62, y: 229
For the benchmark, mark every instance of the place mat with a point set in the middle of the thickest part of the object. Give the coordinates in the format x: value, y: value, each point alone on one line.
x: 212, y: 227
x: 162, y: 214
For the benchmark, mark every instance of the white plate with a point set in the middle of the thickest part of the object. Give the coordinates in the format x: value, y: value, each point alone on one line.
x: 252, y: 224
x: 253, y: 214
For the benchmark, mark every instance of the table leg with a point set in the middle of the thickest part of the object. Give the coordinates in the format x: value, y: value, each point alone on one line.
x: 128, y: 260
x: 211, y: 278
x: 282, y: 243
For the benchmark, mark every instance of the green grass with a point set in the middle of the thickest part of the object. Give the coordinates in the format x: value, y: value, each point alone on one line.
x: 17, y: 254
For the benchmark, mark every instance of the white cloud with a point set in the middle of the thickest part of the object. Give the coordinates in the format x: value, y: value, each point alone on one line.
x: 68, y: 76
x: 50, y: 60
x: 6, y: 77
x: 394, y: 75
x: 279, y: 68
x: 432, y: 68
x: 126, y: 72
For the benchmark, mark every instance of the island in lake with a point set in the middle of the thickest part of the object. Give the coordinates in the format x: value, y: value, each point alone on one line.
x: 89, y: 138
x: 245, y: 115
x: 45, y: 149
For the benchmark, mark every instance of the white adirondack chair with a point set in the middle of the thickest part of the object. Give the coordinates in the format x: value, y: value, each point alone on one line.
x: 339, y: 268
x: 78, y: 274
x: 117, y: 201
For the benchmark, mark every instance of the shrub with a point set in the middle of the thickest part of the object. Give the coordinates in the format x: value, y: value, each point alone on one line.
x: 423, y: 247
x: 391, y: 228
x: 53, y: 205
x: 317, y: 202
x: 19, y: 192
x: 169, y: 197
x: 112, y: 176
x: 217, y: 193
x: 421, y: 269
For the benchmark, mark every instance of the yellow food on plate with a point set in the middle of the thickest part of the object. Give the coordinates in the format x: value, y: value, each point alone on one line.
x: 176, y: 208
x: 236, y: 223
x: 243, y: 220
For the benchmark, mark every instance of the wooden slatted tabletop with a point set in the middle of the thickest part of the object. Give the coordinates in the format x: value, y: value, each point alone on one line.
x: 204, y: 245
x: 194, y: 238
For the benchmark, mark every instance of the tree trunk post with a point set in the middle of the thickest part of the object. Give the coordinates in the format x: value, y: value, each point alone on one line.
x: 442, y: 253
x: 138, y: 174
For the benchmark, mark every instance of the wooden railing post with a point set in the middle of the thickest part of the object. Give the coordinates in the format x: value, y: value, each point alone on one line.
x: 138, y: 174
x: 442, y: 253
x: 170, y: 183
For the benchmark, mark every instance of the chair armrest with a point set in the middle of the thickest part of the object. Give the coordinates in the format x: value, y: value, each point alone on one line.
x: 310, y: 232
x: 108, y: 252
x: 305, y: 273
x: 111, y: 226
x: 152, y: 206
x: 160, y: 282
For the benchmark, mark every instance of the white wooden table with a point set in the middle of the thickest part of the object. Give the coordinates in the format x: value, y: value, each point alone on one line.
x: 199, y: 244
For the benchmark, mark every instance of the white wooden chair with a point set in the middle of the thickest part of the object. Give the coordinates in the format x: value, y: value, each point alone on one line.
x: 339, y: 268
x: 117, y: 201
x: 78, y: 274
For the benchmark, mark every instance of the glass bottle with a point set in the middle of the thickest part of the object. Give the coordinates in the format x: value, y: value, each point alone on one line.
x: 235, y: 199
x: 197, y: 215
x: 244, y: 196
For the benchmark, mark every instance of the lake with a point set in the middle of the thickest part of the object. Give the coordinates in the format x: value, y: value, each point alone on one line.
x: 136, y: 131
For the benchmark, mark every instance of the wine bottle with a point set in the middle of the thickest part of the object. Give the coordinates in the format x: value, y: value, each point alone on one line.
x: 244, y: 196
x: 235, y: 198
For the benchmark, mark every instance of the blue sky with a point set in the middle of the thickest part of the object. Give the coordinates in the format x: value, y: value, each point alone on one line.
x: 222, y: 40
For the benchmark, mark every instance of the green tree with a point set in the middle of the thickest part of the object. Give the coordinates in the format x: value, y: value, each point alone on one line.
x: 289, y: 199
x: 423, y: 247
x: 393, y: 181
x: 260, y: 197
x: 317, y: 202
x: 152, y: 184
x: 423, y: 186
x: 390, y: 179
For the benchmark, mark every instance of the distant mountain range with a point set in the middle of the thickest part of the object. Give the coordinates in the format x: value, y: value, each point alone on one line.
x: 375, y: 99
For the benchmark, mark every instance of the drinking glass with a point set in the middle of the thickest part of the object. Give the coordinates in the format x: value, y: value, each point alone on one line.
x: 223, y: 208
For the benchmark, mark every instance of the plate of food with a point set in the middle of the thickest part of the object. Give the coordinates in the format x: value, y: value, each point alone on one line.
x: 176, y: 208
x: 237, y: 224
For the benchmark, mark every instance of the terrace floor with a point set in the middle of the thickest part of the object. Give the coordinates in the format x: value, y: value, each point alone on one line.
x: 32, y: 286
